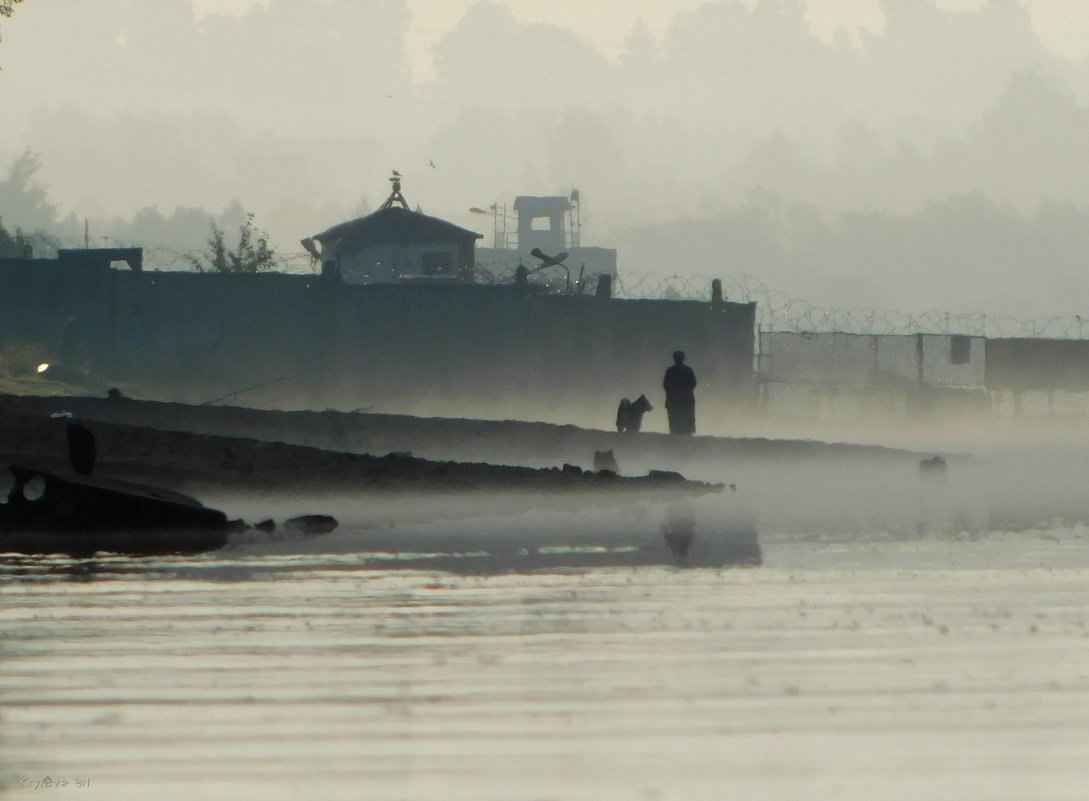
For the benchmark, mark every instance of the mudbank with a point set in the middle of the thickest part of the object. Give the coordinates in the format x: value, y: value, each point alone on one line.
x: 33, y: 431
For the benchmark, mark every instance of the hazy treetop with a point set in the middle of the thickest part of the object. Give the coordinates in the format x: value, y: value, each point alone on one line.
x: 657, y: 112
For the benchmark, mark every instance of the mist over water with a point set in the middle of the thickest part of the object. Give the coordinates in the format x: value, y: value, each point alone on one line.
x: 886, y: 622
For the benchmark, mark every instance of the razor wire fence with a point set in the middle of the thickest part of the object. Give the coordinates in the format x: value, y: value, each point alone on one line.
x: 161, y: 257
x: 778, y: 311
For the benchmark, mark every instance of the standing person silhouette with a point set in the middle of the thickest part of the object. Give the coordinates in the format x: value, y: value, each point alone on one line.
x: 680, y: 385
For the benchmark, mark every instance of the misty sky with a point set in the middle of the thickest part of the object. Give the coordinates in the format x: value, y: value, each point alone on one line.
x: 1063, y: 25
x: 900, y: 154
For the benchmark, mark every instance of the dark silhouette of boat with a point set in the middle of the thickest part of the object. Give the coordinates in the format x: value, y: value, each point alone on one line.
x: 76, y: 513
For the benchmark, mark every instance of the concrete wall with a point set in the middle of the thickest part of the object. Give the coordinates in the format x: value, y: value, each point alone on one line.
x: 855, y: 376
x: 433, y: 349
x: 1025, y: 364
x: 866, y: 360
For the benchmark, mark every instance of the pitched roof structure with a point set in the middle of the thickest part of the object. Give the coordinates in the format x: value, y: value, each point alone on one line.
x: 392, y: 225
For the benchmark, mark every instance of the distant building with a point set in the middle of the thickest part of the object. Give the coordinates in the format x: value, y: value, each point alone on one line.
x: 87, y: 258
x: 548, y: 226
x: 395, y: 244
x: 542, y: 223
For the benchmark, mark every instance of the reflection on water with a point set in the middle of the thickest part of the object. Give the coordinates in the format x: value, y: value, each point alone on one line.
x: 679, y: 529
x: 844, y: 667
x: 706, y: 532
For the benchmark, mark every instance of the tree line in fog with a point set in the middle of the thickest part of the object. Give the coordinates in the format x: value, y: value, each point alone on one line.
x: 937, y: 162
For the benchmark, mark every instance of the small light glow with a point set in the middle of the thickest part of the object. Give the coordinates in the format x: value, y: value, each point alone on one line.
x: 43, y: 367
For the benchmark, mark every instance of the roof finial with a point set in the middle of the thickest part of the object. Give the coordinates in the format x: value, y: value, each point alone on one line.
x: 395, y: 195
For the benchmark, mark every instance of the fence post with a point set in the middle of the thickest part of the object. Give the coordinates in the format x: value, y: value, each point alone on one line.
x: 604, y: 287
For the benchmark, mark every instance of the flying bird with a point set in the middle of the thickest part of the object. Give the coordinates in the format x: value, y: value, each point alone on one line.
x: 396, y: 174
x: 431, y: 164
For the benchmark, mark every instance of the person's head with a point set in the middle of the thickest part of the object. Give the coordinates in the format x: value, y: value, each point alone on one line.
x: 678, y: 356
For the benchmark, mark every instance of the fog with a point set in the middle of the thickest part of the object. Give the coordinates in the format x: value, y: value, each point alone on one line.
x: 998, y: 478
x: 900, y: 155
x: 1001, y: 475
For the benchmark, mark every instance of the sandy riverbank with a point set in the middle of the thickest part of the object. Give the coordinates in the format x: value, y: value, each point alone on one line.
x: 217, y: 452
x: 174, y: 445
x: 500, y: 442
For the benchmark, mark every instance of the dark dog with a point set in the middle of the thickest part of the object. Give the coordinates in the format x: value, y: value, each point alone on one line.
x: 629, y: 415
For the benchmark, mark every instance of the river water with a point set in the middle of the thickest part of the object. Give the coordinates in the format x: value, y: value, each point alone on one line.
x: 842, y: 667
